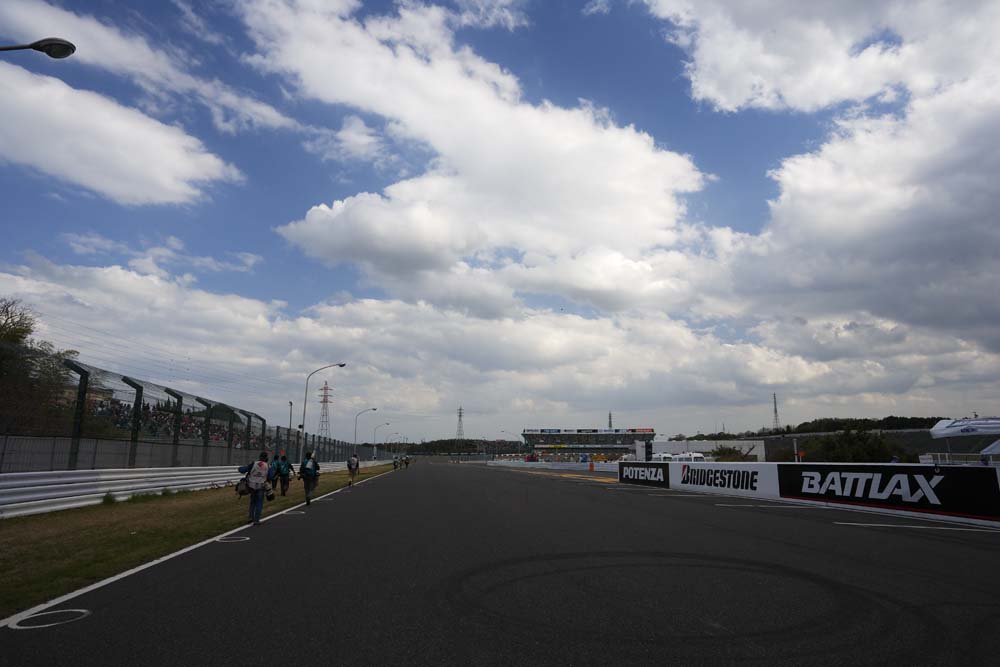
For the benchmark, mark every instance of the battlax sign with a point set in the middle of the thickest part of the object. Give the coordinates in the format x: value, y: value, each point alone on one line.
x: 969, y: 491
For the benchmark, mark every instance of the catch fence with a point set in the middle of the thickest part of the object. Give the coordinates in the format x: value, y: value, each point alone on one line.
x: 91, y: 418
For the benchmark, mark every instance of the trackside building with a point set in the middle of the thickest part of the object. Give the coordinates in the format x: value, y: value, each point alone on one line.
x: 607, y: 443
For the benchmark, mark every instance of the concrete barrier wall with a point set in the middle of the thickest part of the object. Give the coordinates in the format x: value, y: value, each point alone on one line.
x: 27, y: 493
x: 966, y: 494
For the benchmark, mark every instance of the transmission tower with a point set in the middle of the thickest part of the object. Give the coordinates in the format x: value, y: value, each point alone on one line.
x: 324, y: 415
x: 777, y: 423
x: 460, y: 432
x: 609, y: 421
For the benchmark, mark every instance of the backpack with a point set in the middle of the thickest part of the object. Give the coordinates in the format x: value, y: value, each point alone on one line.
x: 257, y: 477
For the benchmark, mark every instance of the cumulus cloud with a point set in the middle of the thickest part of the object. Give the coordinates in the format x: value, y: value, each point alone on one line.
x: 805, y: 56
x: 162, y: 75
x: 418, y: 362
x: 553, y: 181
x: 91, y: 141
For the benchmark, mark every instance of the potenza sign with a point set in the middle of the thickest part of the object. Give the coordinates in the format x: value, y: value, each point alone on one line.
x: 741, y: 479
x: 649, y: 474
x: 957, y: 490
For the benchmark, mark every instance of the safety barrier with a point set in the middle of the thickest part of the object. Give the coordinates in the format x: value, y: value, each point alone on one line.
x: 27, y: 493
x: 966, y: 494
x: 555, y: 465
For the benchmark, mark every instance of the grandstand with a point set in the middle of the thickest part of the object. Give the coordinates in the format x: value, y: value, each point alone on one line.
x: 600, y: 443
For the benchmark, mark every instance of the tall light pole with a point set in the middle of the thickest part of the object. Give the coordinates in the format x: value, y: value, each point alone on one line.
x: 305, y: 401
x: 374, y: 436
x: 356, y: 426
x: 395, y: 443
x: 53, y: 47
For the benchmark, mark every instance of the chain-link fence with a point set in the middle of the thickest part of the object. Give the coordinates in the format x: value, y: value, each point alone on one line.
x: 61, y: 414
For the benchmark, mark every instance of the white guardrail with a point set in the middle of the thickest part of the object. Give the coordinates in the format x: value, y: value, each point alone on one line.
x: 24, y: 493
x: 596, y: 467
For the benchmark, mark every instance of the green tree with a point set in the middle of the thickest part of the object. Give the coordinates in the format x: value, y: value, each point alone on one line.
x: 34, y: 384
x: 724, y: 453
x: 852, y: 447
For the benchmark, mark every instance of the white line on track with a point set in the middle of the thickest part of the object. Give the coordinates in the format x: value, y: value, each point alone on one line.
x: 779, y: 506
x: 899, y: 525
x: 17, y: 618
x: 681, y: 495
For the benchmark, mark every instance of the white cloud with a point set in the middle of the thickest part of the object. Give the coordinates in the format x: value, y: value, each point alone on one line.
x: 417, y: 363
x: 89, y: 140
x: 156, y: 259
x: 805, y: 56
x: 194, y: 24
x: 507, y: 14
x: 160, y: 74
x: 597, y: 7
x: 543, y: 179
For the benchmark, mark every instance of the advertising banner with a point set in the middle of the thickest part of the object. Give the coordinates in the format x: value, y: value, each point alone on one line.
x: 647, y: 474
x: 738, y: 479
x: 962, y: 491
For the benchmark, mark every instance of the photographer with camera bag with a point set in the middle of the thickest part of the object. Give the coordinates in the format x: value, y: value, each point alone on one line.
x: 257, y: 476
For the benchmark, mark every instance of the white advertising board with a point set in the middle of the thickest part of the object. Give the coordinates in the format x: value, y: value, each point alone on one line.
x: 759, y: 480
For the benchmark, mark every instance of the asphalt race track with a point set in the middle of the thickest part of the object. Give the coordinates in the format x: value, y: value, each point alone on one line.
x: 460, y: 564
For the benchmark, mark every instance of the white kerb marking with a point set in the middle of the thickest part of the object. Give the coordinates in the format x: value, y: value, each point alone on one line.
x: 233, y: 538
x: 80, y: 613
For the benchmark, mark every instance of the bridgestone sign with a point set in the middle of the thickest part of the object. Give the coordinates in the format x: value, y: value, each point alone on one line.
x: 649, y: 474
x: 736, y: 479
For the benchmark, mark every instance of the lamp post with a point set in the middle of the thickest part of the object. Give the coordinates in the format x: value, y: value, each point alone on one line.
x: 53, y: 47
x: 356, y: 426
x: 374, y: 436
x: 395, y: 443
x: 305, y: 401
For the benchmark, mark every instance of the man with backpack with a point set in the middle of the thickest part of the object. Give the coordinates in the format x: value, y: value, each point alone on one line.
x: 257, y: 476
x: 309, y: 474
x: 353, y: 464
x: 284, y: 472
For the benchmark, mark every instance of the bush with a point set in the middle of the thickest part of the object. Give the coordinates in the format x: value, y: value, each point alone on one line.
x: 108, y: 499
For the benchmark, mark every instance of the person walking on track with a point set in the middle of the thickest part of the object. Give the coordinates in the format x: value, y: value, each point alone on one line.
x: 353, y: 463
x: 258, y: 474
x: 309, y: 474
x: 284, y: 469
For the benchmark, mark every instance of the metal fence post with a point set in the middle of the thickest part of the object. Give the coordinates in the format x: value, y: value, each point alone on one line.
x: 229, y: 437
x: 78, y: 410
x: 178, y: 417
x: 263, y: 432
x: 133, y: 446
x: 206, y: 425
x: 298, y: 441
x: 249, y: 432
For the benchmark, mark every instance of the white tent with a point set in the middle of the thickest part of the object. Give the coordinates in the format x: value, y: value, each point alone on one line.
x: 954, y: 428
x: 993, y: 449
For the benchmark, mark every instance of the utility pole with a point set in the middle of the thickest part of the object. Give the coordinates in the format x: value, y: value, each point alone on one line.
x: 777, y: 423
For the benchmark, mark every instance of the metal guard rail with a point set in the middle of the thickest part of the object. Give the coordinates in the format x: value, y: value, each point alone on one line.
x: 24, y: 493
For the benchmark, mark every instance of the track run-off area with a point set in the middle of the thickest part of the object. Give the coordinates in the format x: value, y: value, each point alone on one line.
x: 446, y: 563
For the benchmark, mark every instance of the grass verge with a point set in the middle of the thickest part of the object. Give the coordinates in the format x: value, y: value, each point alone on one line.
x: 48, y: 555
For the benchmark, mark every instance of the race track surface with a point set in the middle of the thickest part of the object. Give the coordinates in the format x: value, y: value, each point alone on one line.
x: 460, y: 564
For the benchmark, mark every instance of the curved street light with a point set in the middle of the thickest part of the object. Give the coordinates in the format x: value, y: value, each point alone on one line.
x: 305, y: 401
x: 356, y: 426
x: 53, y: 47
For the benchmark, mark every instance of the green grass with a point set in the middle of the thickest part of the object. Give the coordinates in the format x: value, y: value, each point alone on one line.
x: 48, y: 555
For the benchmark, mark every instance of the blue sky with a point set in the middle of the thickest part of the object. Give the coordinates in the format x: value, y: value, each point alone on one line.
x: 666, y: 210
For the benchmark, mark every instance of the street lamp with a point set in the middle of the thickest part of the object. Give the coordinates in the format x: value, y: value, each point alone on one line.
x: 356, y: 426
x: 53, y: 47
x: 305, y: 401
x: 374, y: 436
x: 395, y: 443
